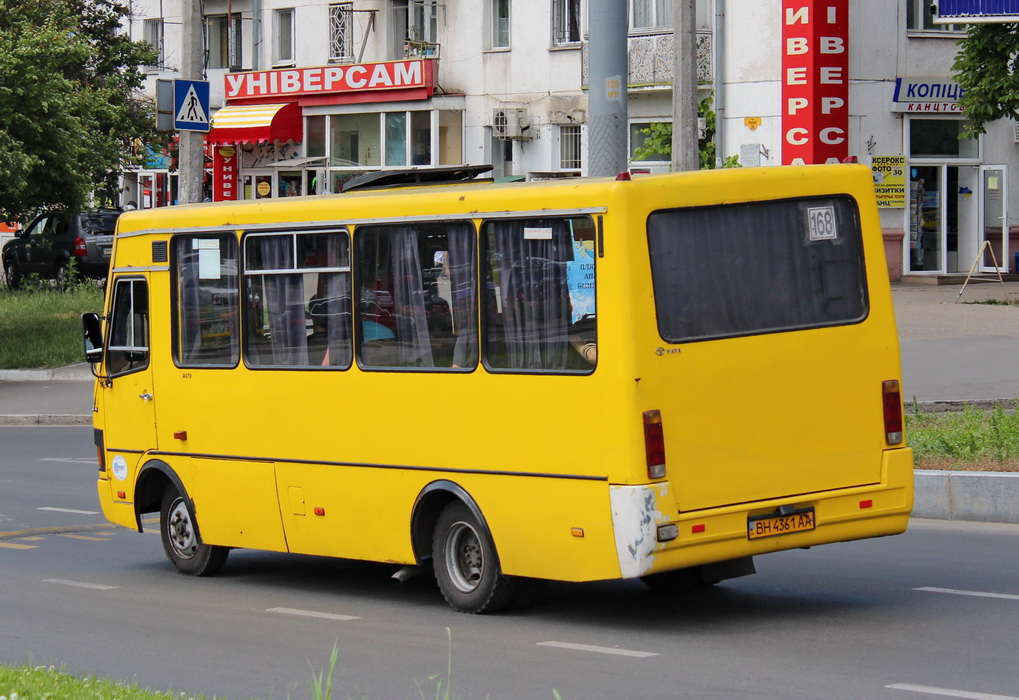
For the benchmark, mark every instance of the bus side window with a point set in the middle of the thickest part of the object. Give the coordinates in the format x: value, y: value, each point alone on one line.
x: 417, y: 296
x: 128, y: 350
x: 297, y: 300
x: 206, y: 328
x: 540, y: 294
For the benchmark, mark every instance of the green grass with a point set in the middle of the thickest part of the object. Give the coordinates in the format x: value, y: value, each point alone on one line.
x: 48, y: 683
x: 972, y: 439
x: 41, y: 327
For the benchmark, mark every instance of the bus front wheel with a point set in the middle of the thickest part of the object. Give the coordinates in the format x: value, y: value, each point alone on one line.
x: 466, y: 564
x: 181, y: 543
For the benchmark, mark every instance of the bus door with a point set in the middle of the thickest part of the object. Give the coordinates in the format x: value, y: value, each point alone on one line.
x: 128, y: 396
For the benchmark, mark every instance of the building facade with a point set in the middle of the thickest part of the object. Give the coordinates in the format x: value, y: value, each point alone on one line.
x: 305, y: 96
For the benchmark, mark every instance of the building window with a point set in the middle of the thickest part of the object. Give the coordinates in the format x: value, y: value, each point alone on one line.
x: 341, y: 30
x: 500, y: 24
x: 285, y: 36
x: 569, y: 147
x: 422, y: 20
x: 153, y: 36
x: 920, y: 19
x: 565, y: 22
x: 223, y: 41
x: 939, y: 139
x: 638, y: 143
x: 650, y: 14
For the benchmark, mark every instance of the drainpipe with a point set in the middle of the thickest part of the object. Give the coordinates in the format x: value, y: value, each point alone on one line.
x: 718, y: 44
x: 256, y: 33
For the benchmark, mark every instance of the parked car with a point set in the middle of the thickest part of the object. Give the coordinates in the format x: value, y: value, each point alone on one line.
x: 47, y: 246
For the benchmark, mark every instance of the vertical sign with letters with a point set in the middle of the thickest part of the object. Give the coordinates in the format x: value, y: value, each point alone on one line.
x: 815, y: 81
x: 224, y: 173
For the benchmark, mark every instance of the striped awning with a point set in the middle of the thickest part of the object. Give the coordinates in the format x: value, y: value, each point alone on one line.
x: 256, y: 123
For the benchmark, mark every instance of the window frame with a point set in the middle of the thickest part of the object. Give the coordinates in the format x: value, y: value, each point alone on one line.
x: 285, y: 19
x: 176, y: 312
x: 919, y: 10
x: 115, y: 318
x: 631, y: 146
x: 659, y: 10
x: 571, y: 147
x: 230, y: 29
x: 153, y: 30
x: 500, y: 32
x: 563, y: 11
x: 341, y: 35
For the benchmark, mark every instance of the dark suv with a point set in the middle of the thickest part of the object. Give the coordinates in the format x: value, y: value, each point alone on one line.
x: 47, y: 245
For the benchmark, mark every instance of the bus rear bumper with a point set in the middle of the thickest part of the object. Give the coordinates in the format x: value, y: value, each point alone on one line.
x: 720, y: 534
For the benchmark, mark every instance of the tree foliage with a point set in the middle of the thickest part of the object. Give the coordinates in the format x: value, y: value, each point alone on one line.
x: 70, y: 111
x: 658, y: 144
x: 985, y: 68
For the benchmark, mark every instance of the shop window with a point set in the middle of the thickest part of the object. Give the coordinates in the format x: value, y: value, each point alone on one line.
x: 206, y: 328
x: 417, y: 296
x: 650, y: 14
x: 540, y: 307
x: 569, y: 147
x: 500, y: 24
x: 341, y: 26
x: 450, y: 137
x: 223, y: 41
x: 315, y: 136
x: 297, y: 300
x: 355, y: 140
x: 920, y: 19
x: 565, y: 22
x: 153, y: 36
x: 285, y: 37
x: 939, y: 138
x: 421, y: 138
x: 396, y: 138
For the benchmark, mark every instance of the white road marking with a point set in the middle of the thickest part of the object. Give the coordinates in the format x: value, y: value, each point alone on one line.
x: 70, y: 460
x: 312, y: 613
x: 69, y: 510
x: 948, y: 692
x: 975, y: 594
x: 599, y: 650
x: 79, y: 584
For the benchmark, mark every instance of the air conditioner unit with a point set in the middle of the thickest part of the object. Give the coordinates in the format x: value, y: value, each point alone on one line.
x: 508, y: 124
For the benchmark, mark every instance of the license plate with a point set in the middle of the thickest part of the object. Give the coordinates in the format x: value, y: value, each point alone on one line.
x: 759, y: 526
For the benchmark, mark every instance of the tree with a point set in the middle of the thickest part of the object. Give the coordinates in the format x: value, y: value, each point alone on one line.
x: 658, y: 143
x: 985, y: 68
x: 70, y: 113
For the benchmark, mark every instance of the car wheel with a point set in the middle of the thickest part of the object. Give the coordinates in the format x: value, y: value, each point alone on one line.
x: 181, y: 542
x: 60, y: 275
x: 466, y: 564
x: 11, y: 274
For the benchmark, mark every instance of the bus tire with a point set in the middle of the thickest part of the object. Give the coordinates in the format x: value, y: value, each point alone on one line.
x: 181, y: 541
x: 466, y: 564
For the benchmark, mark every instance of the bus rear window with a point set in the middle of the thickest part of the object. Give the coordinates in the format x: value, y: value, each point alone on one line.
x: 760, y: 267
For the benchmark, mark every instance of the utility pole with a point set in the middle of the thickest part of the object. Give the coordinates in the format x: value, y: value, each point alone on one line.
x: 190, y: 155
x: 608, y: 76
x: 685, y: 153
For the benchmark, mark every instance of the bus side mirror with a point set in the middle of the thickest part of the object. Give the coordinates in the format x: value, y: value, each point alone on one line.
x: 93, y: 335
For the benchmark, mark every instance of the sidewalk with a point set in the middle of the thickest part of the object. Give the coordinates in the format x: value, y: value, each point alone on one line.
x: 953, y: 351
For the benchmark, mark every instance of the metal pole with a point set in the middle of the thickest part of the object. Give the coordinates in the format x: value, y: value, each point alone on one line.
x: 684, y: 88
x: 191, y: 159
x: 608, y: 77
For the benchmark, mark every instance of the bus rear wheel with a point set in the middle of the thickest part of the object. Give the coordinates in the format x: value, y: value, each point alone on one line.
x: 466, y: 564
x: 181, y: 543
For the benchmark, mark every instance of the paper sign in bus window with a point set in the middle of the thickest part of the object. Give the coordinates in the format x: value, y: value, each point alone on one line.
x: 208, y: 259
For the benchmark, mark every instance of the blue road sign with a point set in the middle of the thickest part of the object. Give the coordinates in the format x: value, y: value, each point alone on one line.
x: 191, y: 105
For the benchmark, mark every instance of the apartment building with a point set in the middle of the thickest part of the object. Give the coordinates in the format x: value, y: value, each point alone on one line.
x: 307, y: 95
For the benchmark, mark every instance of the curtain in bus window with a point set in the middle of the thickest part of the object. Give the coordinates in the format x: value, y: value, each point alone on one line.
x: 532, y: 261
x: 414, y: 346
x: 284, y: 301
x: 756, y: 268
x: 463, y: 287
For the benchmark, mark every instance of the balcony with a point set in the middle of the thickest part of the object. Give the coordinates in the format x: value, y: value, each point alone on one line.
x: 420, y: 49
x: 651, y: 59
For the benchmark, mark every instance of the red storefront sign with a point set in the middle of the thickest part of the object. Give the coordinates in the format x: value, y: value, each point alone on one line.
x: 815, y: 81
x: 224, y: 174
x: 398, y: 77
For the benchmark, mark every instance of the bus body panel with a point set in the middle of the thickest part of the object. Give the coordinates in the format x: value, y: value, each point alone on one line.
x: 555, y: 463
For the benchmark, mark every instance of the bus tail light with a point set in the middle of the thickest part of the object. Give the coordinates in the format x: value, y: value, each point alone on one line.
x: 654, y: 444
x: 79, y: 246
x: 892, y: 398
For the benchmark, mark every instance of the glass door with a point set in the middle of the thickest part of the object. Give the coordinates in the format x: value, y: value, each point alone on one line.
x: 258, y: 184
x: 993, y: 215
x: 927, y: 219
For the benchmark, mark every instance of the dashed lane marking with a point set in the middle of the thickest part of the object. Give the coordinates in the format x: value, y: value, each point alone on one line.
x: 949, y: 692
x: 20, y: 534
x: 312, y: 613
x: 69, y: 510
x: 599, y: 650
x: 974, y: 594
x: 71, y: 460
x: 84, y: 537
x: 80, y: 584
x: 15, y: 545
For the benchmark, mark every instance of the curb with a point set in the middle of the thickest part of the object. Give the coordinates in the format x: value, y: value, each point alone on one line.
x: 81, y: 372
x: 989, y: 497
x: 18, y: 419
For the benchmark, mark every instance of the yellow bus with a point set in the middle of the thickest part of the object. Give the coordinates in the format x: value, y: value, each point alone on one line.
x: 658, y: 377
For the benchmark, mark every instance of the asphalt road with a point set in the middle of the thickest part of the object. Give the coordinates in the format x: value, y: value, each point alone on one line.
x: 931, y: 613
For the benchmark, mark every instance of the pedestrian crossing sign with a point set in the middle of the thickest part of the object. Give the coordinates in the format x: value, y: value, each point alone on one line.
x: 191, y: 105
